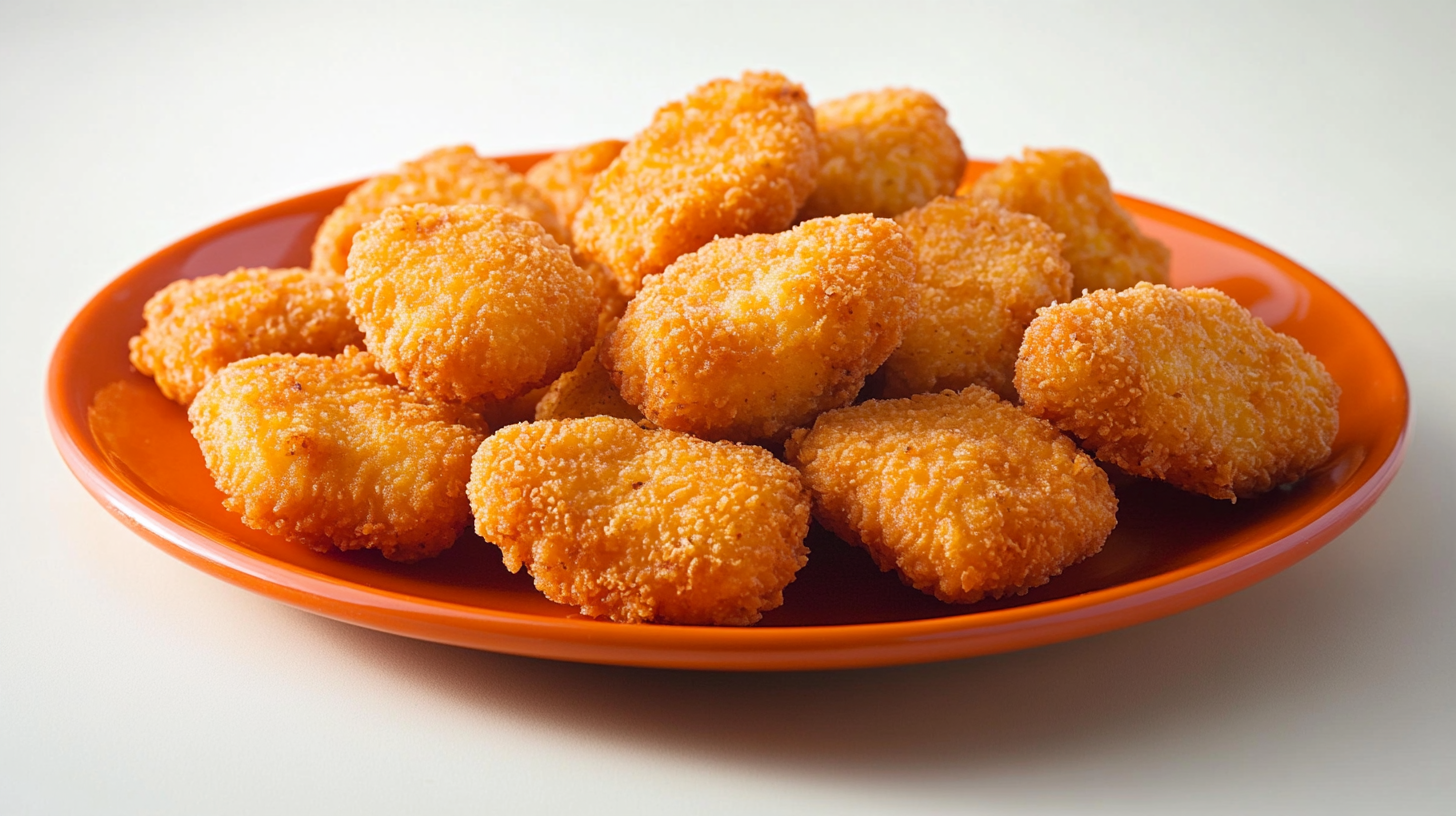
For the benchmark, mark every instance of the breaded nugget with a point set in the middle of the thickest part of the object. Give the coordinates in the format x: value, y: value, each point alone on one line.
x: 585, y: 391
x: 735, y: 157
x: 642, y: 525
x: 450, y: 175
x: 195, y: 327
x: 883, y: 152
x: 751, y: 336
x: 1182, y: 385
x: 1069, y: 191
x: 469, y: 300
x: 612, y: 301
x: 984, y: 271
x: 962, y: 494
x: 329, y: 451
x: 564, y: 178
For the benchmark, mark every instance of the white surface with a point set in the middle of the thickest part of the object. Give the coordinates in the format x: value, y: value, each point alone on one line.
x: 130, y: 683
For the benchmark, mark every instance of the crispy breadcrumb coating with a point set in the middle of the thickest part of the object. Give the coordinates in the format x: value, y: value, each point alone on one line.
x: 196, y: 327
x: 1069, y: 191
x: 585, y: 391
x: 1182, y: 385
x: 642, y: 525
x: 469, y: 300
x: 883, y: 152
x: 962, y: 494
x: 984, y: 271
x: 450, y: 175
x: 735, y: 157
x: 564, y: 178
x: 612, y: 301
x: 751, y: 336
x: 329, y: 451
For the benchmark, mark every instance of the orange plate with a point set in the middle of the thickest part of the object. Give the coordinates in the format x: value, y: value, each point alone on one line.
x: 133, y: 451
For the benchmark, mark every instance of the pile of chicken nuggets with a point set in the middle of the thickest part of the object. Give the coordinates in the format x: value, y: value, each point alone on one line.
x: 641, y: 368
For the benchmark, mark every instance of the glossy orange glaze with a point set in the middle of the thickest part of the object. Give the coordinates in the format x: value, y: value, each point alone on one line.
x: 133, y: 451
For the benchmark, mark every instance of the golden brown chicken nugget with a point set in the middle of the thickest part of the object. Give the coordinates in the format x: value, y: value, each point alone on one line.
x: 564, y: 178
x: 469, y: 300
x: 735, y: 157
x: 329, y: 451
x: 1069, y: 191
x: 962, y: 494
x: 883, y: 152
x: 751, y: 336
x: 642, y: 525
x: 984, y: 271
x: 585, y: 391
x: 450, y: 175
x: 196, y: 327
x: 1182, y: 385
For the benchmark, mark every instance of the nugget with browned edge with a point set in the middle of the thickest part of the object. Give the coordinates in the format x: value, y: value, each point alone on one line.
x: 735, y: 157
x: 883, y: 152
x: 469, y: 300
x: 1069, y: 191
x: 1182, y: 385
x: 450, y: 175
x: 196, y: 327
x: 751, y: 336
x: 962, y: 494
x: 641, y: 525
x: 564, y: 178
x: 983, y: 273
x: 328, y: 451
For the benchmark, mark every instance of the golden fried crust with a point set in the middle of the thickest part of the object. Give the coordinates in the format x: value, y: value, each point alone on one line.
x: 1182, y: 385
x: 1069, y: 191
x: 563, y: 179
x: 642, y: 525
x: 585, y: 391
x: 196, y: 327
x: 469, y: 300
x: 450, y: 175
x: 883, y: 152
x: 735, y: 157
x: 751, y: 336
x: 984, y: 271
x: 329, y: 451
x: 962, y: 494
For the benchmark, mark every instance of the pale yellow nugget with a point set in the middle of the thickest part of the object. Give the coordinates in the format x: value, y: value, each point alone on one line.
x: 1183, y: 385
x: 961, y: 494
x: 642, y: 525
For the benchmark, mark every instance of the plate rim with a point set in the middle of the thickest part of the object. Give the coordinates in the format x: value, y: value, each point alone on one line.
x: 822, y: 646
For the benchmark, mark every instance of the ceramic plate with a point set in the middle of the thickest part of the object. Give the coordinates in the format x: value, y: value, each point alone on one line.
x: 132, y: 450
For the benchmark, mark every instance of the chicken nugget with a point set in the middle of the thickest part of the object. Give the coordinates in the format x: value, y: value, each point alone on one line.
x: 1182, y: 385
x: 1069, y: 191
x: 642, y: 525
x: 585, y: 391
x: 735, y: 157
x: 883, y: 152
x: 196, y: 327
x: 962, y: 494
x: 450, y: 175
x: 329, y: 451
x: 984, y: 271
x: 564, y: 178
x: 469, y: 300
x: 751, y: 336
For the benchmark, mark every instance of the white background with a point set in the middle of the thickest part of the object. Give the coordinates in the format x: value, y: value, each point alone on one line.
x: 130, y: 683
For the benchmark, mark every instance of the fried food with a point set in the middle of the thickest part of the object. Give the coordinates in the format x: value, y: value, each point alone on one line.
x: 642, y: 525
x: 1182, y: 385
x: 883, y: 152
x: 962, y: 494
x: 751, y: 336
x: 735, y: 157
x: 984, y: 271
x: 450, y: 175
x: 469, y: 300
x: 612, y: 302
x: 585, y: 391
x: 1069, y: 191
x: 328, y: 451
x: 196, y: 327
x: 564, y: 178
